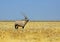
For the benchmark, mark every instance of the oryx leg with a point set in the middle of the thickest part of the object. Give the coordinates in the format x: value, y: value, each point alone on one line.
x: 23, y: 27
x: 16, y: 26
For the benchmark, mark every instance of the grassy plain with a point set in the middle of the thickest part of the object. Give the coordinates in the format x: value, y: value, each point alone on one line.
x: 33, y: 32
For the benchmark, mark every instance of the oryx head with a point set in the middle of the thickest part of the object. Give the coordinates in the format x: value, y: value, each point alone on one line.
x: 25, y: 17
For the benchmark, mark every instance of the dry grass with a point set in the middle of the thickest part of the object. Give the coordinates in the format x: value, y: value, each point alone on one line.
x: 33, y: 32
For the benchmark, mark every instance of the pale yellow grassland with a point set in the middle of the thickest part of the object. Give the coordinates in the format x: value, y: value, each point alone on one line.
x: 33, y: 32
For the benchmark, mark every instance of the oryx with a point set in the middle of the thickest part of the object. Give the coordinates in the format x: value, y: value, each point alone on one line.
x: 21, y: 23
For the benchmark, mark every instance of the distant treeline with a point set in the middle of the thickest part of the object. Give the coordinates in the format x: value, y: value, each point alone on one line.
x: 32, y: 20
x: 6, y: 20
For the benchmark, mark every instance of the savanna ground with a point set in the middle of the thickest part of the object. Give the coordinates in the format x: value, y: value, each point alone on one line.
x: 33, y: 32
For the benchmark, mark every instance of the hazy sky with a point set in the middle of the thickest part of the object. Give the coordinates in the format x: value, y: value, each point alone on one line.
x: 34, y: 9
